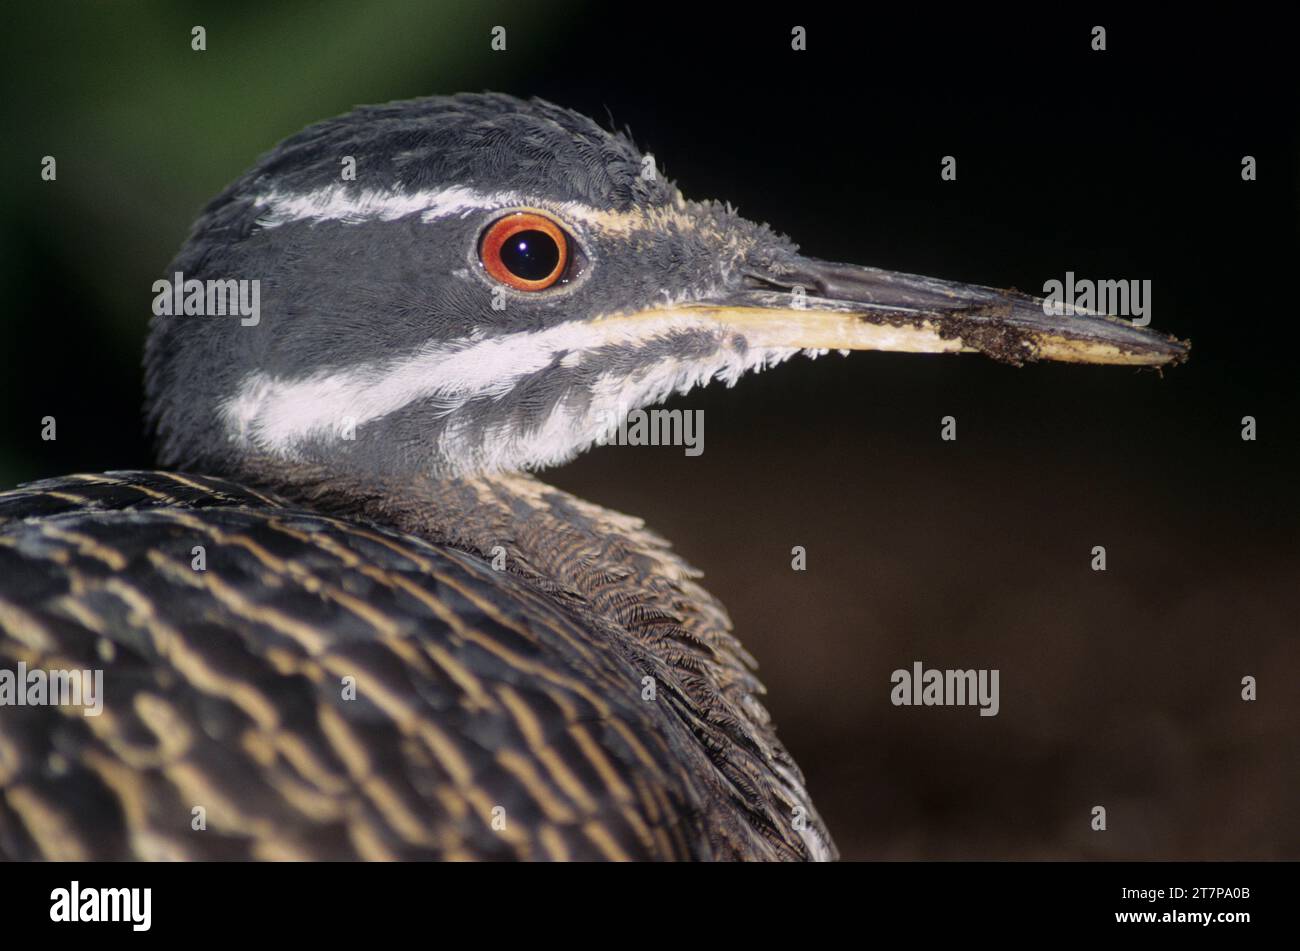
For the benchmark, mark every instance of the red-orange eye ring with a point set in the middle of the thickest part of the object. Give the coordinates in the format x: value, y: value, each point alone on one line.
x: 525, y: 250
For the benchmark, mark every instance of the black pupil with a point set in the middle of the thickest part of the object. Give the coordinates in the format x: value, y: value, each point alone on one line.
x: 530, y: 255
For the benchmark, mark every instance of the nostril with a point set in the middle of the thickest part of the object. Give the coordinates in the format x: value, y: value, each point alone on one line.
x: 754, y: 280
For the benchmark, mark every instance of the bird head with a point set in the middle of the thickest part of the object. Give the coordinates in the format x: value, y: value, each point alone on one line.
x: 454, y: 286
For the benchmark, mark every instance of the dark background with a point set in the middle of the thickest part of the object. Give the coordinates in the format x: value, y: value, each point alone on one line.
x: 1118, y: 688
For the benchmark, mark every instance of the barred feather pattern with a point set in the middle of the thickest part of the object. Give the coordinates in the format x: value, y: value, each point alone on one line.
x: 497, y: 714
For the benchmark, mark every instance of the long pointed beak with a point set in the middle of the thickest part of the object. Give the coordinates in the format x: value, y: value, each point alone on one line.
x: 814, y: 304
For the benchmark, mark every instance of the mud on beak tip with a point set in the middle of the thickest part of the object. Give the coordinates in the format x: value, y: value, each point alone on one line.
x: 847, y: 307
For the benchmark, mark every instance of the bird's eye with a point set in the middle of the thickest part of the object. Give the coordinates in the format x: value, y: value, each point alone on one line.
x: 526, y: 251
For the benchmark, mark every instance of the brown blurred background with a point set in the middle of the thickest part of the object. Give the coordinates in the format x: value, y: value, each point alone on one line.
x: 1120, y: 688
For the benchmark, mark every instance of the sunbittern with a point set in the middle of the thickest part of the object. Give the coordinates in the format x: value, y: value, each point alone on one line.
x: 307, y: 651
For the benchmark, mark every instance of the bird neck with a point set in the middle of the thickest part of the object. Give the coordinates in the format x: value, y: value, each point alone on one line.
x: 608, y: 563
x: 619, y: 578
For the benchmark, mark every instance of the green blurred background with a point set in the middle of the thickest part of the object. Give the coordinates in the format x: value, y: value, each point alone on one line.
x: 1120, y: 688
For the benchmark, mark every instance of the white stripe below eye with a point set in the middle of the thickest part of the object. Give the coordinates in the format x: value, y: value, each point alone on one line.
x: 279, y: 413
x: 276, y: 415
x: 579, y: 419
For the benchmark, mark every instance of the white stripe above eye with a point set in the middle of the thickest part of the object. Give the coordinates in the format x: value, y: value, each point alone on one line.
x: 341, y: 203
x: 353, y: 205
